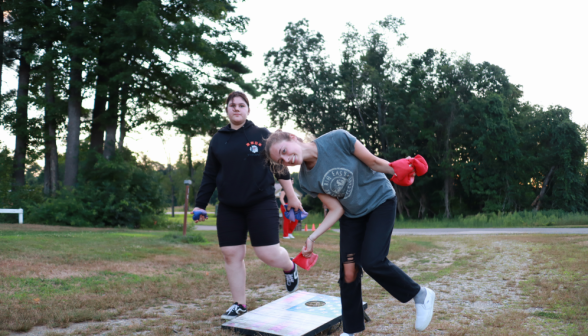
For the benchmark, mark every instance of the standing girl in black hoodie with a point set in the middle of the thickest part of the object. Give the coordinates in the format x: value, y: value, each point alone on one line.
x: 236, y: 167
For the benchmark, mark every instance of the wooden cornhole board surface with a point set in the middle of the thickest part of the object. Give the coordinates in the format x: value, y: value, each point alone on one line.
x: 290, y: 316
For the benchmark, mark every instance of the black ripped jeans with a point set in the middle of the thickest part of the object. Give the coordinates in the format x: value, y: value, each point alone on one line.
x: 365, y: 241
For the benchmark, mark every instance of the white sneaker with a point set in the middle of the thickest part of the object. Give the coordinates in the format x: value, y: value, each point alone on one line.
x: 346, y: 334
x: 290, y: 236
x: 424, y: 311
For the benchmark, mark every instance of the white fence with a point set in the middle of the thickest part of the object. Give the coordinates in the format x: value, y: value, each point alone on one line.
x: 15, y: 211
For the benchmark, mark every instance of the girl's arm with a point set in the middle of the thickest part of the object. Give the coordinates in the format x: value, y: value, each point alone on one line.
x: 335, y: 212
x: 208, y: 183
x: 293, y: 201
x: 372, y: 161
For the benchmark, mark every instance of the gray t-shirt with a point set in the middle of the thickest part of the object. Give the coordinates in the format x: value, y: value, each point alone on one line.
x: 339, y: 173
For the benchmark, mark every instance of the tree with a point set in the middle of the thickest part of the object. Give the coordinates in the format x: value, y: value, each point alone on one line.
x: 487, y: 150
x: 302, y: 85
x: 75, y: 49
x: 557, y: 151
x: 53, y: 31
x: 24, y: 25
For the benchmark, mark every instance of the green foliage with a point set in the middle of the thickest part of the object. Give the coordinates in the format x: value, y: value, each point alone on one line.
x: 312, y: 204
x: 300, y: 64
x: 173, y: 178
x: 115, y: 193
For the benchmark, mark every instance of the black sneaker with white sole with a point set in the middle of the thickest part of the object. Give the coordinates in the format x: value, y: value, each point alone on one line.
x: 292, y: 279
x: 235, y: 310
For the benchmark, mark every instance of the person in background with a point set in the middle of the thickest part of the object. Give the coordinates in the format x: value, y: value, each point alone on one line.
x: 236, y: 167
x: 288, y: 226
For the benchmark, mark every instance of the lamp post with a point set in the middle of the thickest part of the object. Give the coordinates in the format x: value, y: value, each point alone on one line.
x: 187, y: 183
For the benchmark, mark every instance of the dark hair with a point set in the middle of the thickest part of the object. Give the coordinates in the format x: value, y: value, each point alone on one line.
x: 274, y: 138
x: 237, y: 94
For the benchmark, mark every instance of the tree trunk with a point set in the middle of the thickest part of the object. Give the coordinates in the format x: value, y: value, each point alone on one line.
x: 447, y: 159
x: 21, y: 123
x: 74, y: 106
x: 111, y: 121
x: 423, y: 206
x: 402, y: 197
x: 97, y: 128
x: 51, y: 165
x: 104, y: 75
x: 123, y: 114
x: 446, y: 189
x: 189, y: 156
x: 173, y: 195
x: 537, y: 202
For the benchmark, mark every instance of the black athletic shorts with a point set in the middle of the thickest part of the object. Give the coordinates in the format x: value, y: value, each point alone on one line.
x: 260, y: 219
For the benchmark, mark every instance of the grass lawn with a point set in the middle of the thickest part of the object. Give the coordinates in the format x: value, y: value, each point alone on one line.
x: 131, y: 282
x: 179, y: 220
x: 518, y: 219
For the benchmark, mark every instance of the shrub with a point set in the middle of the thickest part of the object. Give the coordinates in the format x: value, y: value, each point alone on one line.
x: 115, y: 193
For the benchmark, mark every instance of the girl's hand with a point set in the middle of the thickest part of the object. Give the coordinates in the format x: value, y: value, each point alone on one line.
x: 308, y: 248
x: 202, y: 217
x: 294, y: 204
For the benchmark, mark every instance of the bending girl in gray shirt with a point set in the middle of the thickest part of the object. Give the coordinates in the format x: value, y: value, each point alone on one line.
x: 350, y: 181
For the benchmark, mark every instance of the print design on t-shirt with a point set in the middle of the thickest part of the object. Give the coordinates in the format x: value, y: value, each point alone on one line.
x: 338, y: 182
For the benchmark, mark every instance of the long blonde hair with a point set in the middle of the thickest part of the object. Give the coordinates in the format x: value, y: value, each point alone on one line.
x: 275, y: 137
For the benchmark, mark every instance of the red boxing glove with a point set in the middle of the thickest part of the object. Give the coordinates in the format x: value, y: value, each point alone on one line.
x: 420, y: 165
x: 403, y: 172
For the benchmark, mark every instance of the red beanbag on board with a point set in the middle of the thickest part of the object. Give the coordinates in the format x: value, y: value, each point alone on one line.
x: 420, y: 165
x: 403, y: 172
x: 305, y: 263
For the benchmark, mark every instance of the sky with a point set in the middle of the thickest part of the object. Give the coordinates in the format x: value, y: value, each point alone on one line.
x: 541, y: 44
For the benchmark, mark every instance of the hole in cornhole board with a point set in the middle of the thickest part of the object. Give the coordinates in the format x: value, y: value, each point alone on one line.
x: 315, y: 303
x: 298, y: 314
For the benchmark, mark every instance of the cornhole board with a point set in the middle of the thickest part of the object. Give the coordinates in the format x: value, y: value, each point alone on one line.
x: 298, y: 314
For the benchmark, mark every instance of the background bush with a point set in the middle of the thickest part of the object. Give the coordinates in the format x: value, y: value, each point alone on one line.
x: 114, y: 193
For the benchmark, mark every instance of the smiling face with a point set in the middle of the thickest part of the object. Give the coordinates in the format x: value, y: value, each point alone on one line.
x: 237, y: 111
x: 287, y: 153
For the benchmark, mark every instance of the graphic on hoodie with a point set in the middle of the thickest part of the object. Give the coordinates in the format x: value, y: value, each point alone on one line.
x: 254, y: 146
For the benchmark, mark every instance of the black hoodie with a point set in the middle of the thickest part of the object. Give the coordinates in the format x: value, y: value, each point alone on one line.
x: 236, y: 166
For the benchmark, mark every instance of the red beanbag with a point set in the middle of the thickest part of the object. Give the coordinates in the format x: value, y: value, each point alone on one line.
x: 405, y: 170
x: 305, y: 263
x: 420, y: 165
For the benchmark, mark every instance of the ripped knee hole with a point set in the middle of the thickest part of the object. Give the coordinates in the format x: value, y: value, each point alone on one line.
x: 350, y: 273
